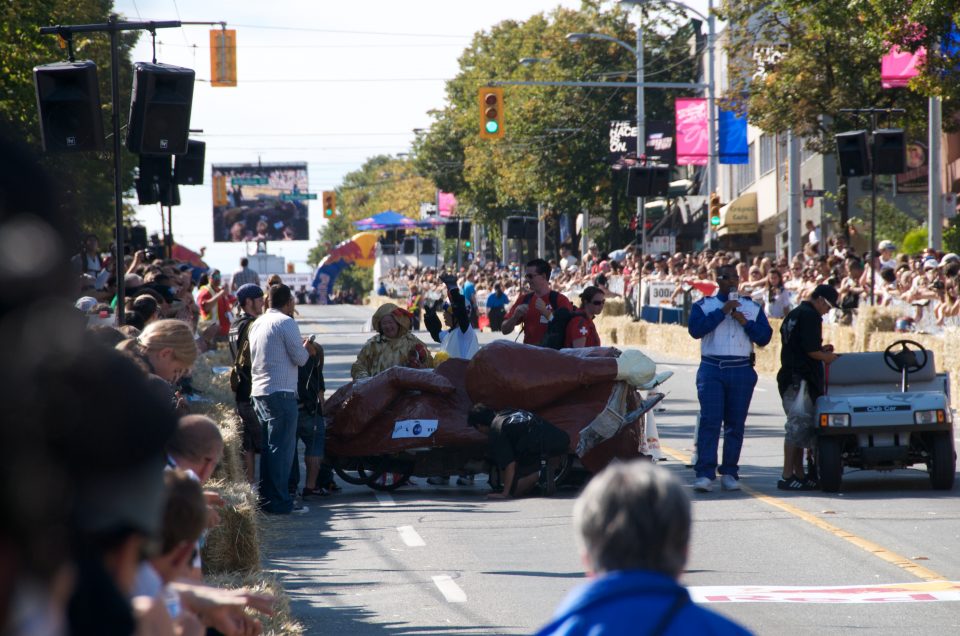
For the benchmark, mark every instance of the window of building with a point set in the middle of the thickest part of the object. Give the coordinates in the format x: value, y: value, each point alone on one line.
x: 745, y: 173
x: 768, y: 153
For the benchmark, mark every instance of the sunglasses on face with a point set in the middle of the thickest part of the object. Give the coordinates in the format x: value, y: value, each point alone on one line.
x: 597, y: 303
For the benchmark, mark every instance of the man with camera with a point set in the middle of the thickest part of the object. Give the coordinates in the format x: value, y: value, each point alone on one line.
x: 277, y: 352
x: 727, y: 326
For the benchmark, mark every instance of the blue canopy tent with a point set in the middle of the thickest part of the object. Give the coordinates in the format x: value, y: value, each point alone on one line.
x: 391, y: 220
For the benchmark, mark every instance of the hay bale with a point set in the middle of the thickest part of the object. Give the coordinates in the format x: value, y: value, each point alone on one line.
x: 282, y: 623
x: 633, y: 333
x: 871, y: 320
x: 234, y: 545
x: 614, y: 307
x: 231, y: 467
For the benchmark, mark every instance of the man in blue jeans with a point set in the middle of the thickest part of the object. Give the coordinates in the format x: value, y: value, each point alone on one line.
x: 277, y: 351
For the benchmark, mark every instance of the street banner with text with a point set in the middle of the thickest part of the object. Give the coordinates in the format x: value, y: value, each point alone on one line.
x: 692, y: 138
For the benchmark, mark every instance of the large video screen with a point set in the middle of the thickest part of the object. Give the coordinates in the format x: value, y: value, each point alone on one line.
x: 255, y: 202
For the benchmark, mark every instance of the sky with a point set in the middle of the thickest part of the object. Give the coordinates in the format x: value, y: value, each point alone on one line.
x: 325, y: 82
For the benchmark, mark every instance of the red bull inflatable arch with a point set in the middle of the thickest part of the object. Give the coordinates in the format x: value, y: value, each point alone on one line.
x: 359, y: 250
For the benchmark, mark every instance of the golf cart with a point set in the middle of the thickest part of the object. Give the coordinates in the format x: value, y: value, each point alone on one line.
x: 884, y: 411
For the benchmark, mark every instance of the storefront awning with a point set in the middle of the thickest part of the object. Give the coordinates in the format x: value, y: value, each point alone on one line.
x: 739, y: 216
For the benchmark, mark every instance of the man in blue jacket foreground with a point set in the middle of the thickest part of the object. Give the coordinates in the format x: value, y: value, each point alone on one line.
x: 633, y: 525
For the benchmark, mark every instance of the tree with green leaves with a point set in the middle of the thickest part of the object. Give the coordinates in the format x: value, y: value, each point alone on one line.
x: 382, y: 183
x: 86, y: 178
x: 794, y: 64
x: 555, y: 147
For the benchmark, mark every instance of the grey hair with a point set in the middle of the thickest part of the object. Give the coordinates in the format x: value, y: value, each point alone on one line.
x: 633, y: 516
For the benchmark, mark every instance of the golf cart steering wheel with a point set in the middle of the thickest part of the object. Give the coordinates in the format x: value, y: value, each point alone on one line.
x: 906, y: 358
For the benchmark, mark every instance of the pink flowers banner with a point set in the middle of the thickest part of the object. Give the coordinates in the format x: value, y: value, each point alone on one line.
x: 693, y: 148
x: 897, y: 67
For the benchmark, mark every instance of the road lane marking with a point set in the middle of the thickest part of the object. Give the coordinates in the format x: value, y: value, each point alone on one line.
x: 450, y: 590
x: 385, y: 499
x: 410, y: 536
x: 834, y: 594
x: 875, y: 549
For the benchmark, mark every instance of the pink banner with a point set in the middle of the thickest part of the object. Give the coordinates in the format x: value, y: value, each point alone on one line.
x: 897, y: 67
x: 693, y: 148
x: 446, y: 202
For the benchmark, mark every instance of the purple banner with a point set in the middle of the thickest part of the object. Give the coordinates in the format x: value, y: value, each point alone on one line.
x: 692, y: 139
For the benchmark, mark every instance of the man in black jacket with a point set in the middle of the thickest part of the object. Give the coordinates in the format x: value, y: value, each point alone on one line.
x: 802, y: 358
x: 250, y: 299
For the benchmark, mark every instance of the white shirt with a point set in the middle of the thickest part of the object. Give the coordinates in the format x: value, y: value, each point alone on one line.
x: 277, y: 352
x: 729, y: 338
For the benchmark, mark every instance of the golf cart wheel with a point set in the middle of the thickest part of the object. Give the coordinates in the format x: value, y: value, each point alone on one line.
x: 830, y: 463
x: 562, y: 472
x: 357, y: 477
x: 388, y: 481
x: 943, y: 461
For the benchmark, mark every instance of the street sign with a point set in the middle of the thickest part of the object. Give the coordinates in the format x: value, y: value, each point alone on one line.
x: 298, y: 196
x: 813, y: 193
x: 242, y: 181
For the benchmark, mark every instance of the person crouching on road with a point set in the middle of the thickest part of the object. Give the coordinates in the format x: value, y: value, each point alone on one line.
x: 581, y: 332
x: 727, y: 327
x: 633, y: 526
x: 802, y: 358
x: 519, y: 441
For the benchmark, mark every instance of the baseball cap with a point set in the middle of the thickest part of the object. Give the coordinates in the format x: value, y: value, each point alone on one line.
x: 247, y: 291
x: 930, y: 263
x: 86, y: 304
x: 949, y: 257
x: 828, y: 292
x: 886, y: 245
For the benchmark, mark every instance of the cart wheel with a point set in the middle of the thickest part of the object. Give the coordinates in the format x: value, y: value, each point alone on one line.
x: 358, y: 477
x: 389, y: 481
x: 563, y: 469
x: 943, y: 461
x: 830, y: 463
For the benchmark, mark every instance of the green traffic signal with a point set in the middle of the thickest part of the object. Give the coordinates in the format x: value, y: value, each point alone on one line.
x: 467, y: 243
x: 714, y: 220
x: 492, y: 126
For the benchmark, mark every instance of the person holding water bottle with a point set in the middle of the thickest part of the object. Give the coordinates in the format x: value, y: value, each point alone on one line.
x: 728, y: 327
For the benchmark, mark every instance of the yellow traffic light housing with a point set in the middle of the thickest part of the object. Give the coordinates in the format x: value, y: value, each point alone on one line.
x: 223, y: 57
x: 714, y: 209
x: 491, y: 112
x: 329, y: 204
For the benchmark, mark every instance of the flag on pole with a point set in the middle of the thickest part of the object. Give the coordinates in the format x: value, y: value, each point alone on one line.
x: 693, y: 148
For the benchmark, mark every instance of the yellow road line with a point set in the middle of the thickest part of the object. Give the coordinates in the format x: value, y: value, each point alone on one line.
x: 875, y: 549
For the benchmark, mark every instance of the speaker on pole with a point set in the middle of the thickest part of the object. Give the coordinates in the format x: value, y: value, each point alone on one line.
x: 852, y: 153
x: 889, y: 151
x: 68, y: 101
x: 160, y: 109
x: 648, y: 181
x: 155, y: 177
x: 188, y: 168
x: 516, y: 227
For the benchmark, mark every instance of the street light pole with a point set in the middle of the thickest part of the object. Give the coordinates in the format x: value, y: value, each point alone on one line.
x: 711, y: 110
x: 641, y: 135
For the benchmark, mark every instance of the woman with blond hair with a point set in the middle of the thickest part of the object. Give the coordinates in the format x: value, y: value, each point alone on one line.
x: 166, y: 349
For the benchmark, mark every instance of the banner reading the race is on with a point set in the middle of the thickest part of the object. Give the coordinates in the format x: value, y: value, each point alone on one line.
x: 692, y: 138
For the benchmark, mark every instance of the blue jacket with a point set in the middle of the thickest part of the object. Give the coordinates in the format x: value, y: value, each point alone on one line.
x: 700, y: 324
x: 634, y: 602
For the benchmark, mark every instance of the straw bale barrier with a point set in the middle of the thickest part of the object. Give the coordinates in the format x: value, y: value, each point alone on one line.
x: 231, y: 552
x: 282, y: 623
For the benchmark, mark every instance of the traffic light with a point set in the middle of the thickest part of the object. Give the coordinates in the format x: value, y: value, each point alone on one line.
x: 468, y: 243
x: 223, y: 57
x: 329, y: 204
x: 491, y: 112
x: 714, y: 209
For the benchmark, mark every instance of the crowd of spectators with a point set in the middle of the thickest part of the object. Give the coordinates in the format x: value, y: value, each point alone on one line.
x: 103, y: 499
x: 923, y: 289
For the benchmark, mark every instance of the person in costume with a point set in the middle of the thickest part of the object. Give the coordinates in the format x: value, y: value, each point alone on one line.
x: 393, y: 346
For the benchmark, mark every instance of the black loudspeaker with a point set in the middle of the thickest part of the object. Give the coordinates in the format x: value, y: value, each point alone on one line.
x: 188, y: 168
x: 530, y: 229
x: 852, y: 153
x: 169, y: 195
x: 428, y: 246
x: 889, y: 151
x: 137, y: 237
x: 450, y: 230
x: 409, y: 245
x: 160, y: 109
x: 648, y: 181
x: 515, y: 228
x: 155, y: 177
x: 68, y: 100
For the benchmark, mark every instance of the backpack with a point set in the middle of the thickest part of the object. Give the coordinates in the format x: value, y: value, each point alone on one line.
x: 556, y: 334
x: 241, y: 379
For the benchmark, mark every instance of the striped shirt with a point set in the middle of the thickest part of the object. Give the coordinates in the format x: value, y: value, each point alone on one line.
x: 243, y: 276
x: 277, y: 351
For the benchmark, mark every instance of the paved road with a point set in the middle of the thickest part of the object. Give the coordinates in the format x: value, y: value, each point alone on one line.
x: 444, y: 560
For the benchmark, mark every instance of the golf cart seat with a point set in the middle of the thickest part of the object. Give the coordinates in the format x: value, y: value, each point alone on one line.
x: 855, y: 373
